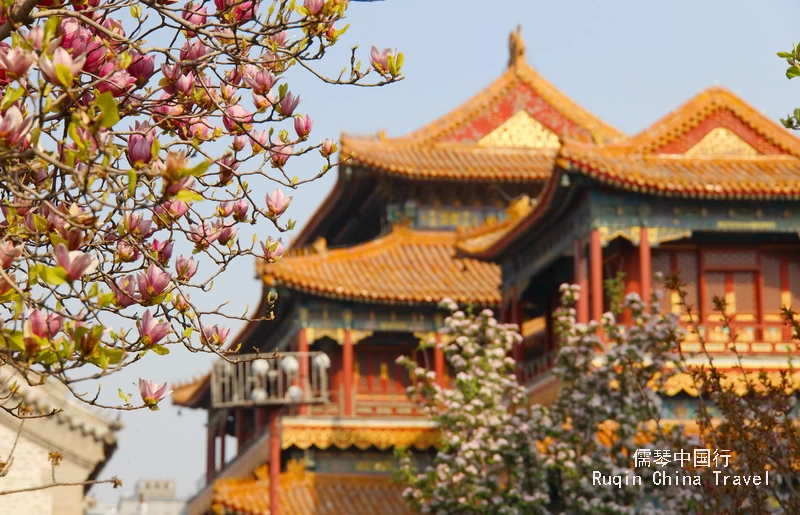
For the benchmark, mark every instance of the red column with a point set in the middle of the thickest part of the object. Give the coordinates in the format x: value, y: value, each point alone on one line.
x: 238, y: 424
x: 347, y: 364
x: 438, y: 362
x: 645, y: 267
x: 302, y: 347
x: 274, y: 461
x: 582, y: 280
x: 785, y: 292
x: 211, y: 453
x: 596, y: 270
x: 223, y: 428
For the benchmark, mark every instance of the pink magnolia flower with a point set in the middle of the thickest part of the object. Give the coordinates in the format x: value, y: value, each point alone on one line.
x: 117, y: 82
x: 262, y: 102
x: 239, y: 142
x: 181, y: 303
x: 171, y: 72
x: 277, y: 202
x: 124, y: 291
x: 228, y: 91
x: 63, y: 58
x: 126, y: 252
x: 273, y: 249
x: 115, y: 27
x: 260, y: 80
x: 200, y: 128
x: 142, y: 68
x: 137, y: 226
x: 288, y: 104
x: 328, y: 148
x: 194, y: 15
x: 186, y: 268
x: 152, y: 393
x: 163, y: 250
x: 169, y: 212
x: 152, y: 283
x: 380, y: 58
x: 16, y: 61
x: 13, y: 127
x: 214, y: 335
x: 280, y: 38
x: 204, y: 234
x: 225, y: 209
x: 94, y: 50
x: 193, y: 50
x: 259, y: 140
x: 140, y: 146
x: 9, y: 253
x: 279, y: 154
x: 237, y: 119
x: 303, y: 125
x: 227, y: 234
x: 151, y: 331
x: 185, y: 84
x: 240, y: 208
x: 76, y: 263
x: 313, y: 6
x: 44, y: 325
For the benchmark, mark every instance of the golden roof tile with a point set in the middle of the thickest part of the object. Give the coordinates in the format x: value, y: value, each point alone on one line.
x: 309, y: 493
x: 405, y: 266
x: 475, y: 239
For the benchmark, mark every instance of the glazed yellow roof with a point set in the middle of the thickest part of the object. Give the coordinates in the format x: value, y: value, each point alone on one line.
x: 309, y: 493
x: 510, y: 131
x: 473, y: 240
x: 405, y: 266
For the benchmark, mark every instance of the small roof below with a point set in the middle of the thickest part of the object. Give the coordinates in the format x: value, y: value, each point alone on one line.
x: 303, y: 492
x: 405, y: 266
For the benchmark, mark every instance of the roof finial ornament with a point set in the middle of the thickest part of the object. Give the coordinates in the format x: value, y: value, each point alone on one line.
x: 516, y: 47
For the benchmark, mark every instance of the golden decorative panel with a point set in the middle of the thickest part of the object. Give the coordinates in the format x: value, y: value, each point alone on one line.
x: 721, y: 142
x: 521, y: 131
x: 359, y: 437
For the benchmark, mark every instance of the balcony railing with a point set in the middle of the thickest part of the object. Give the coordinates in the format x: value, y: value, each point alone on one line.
x: 290, y: 378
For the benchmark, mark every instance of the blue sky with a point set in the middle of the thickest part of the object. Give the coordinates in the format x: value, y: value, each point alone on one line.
x: 628, y: 62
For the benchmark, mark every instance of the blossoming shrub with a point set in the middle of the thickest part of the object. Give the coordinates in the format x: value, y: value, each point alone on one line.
x: 499, y: 454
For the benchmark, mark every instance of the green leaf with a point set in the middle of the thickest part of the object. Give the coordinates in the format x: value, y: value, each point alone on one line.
x: 160, y: 350
x: 189, y: 196
x: 133, y: 179
x: 11, y: 96
x: 53, y: 275
x: 64, y: 75
x: 199, y: 169
x: 401, y: 58
x: 50, y: 28
x: 108, y: 106
x: 13, y: 341
x: 40, y: 223
x: 785, y: 55
x: 125, y: 398
x: 113, y: 356
x: 187, y: 332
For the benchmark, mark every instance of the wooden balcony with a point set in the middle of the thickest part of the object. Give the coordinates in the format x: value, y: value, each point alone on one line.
x: 292, y: 378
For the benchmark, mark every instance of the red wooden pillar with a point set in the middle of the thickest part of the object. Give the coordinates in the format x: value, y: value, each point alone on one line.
x: 702, y: 290
x: 596, y: 274
x: 211, y: 453
x: 222, y: 430
x: 347, y: 364
x: 302, y: 348
x: 274, y: 461
x: 238, y: 425
x: 645, y: 266
x: 786, y: 295
x: 759, y: 280
x: 438, y: 362
x: 582, y: 280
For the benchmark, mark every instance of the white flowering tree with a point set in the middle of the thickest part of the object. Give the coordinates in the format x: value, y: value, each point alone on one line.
x: 131, y: 137
x: 501, y: 455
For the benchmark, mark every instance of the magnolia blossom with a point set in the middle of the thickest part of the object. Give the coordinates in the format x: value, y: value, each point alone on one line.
x: 185, y: 268
x: 9, y: 253
x: 181, y: 303
x: 273, y: 249
x: 152, y: 283
x: 140, y: 145
x: 163, y: 250
x: 288, y: 104
x: 214, y: 335
x: 380, y: 58
x: 313, y: 7
x: 124, y: 291
x: 152, y: 393
x: 303, y: 125
x: 151, y: 331
x: 279, y: 154
x: 328, y: 148
x: 204, y: 234
x: 16, y: 61
x: 126, y: 252
x: 75, y: 263
x: 44, y: 325
x: 237, y: 119
x: 240, y: 208
x: 260, y: 80
x: 61, y: 59
x: 13, y: 127
x: 277, y: 202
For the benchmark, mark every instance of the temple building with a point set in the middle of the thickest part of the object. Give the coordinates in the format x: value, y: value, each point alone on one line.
x: 360, y: 288
x: 710, y: 191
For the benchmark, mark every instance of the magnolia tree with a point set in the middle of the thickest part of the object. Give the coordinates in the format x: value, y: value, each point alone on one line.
x: 130, y: 134
x: 499, y: 455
